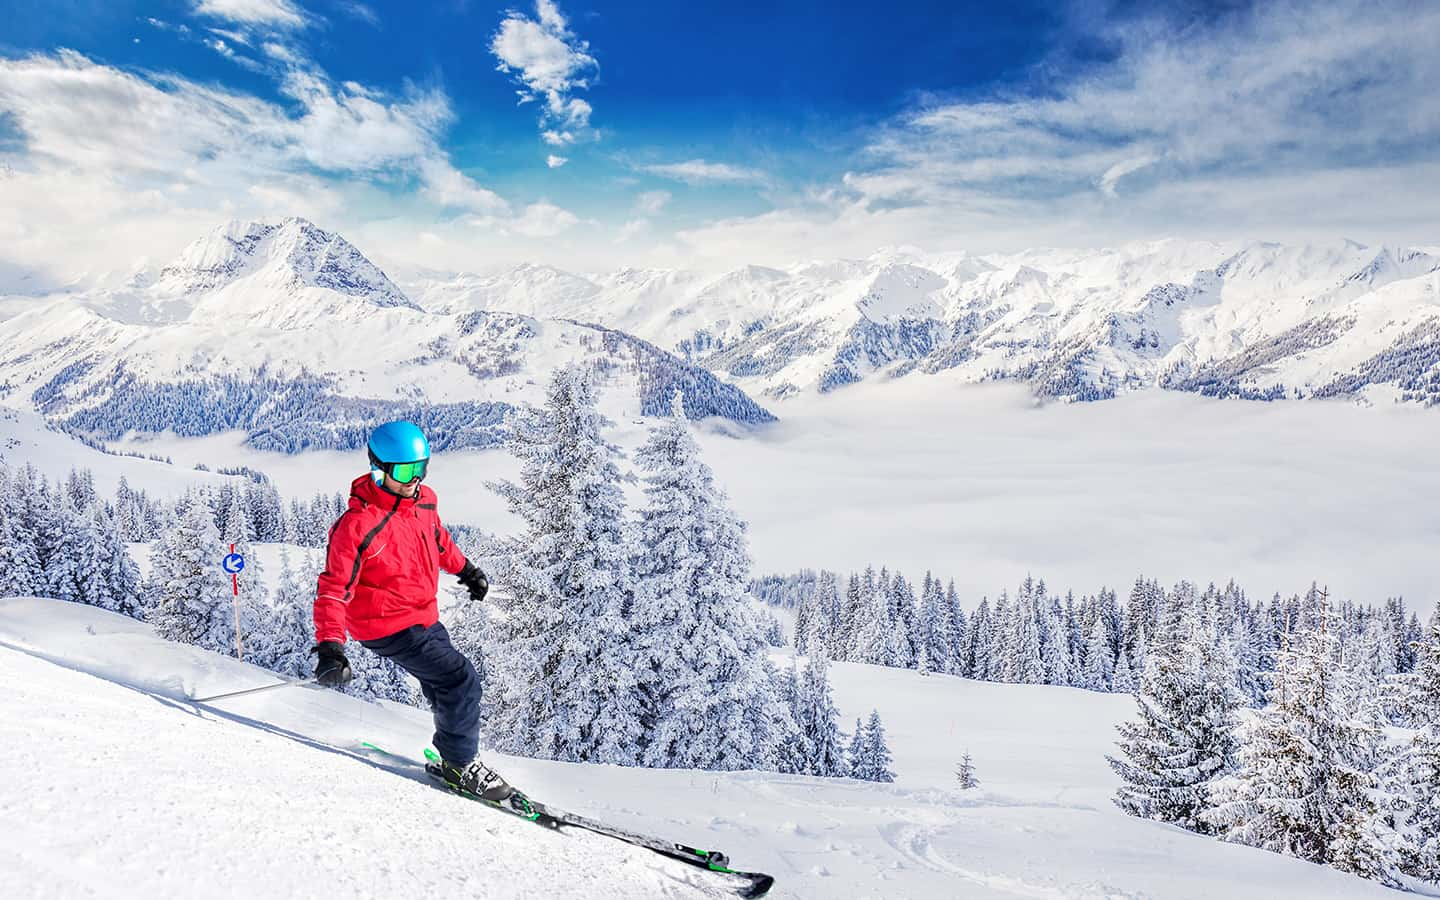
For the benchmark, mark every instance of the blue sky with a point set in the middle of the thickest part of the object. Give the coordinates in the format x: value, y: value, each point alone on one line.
x: 599, y: 134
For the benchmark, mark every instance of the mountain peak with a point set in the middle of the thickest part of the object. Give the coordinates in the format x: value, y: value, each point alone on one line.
x: 293, y: 251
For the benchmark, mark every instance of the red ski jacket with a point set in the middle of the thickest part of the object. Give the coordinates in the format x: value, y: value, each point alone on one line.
x: 382, y: 567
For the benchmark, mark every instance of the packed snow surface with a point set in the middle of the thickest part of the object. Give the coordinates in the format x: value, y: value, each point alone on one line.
x: 116, y: 785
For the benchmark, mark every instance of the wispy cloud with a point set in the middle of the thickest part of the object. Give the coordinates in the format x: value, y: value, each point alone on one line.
x: 698, y: 171
x: 555, y: 162
x: 278, y: 13
x: 650, y: 203
x: 549, y: 63
x: 361, y: 11
x: 1286, y: 120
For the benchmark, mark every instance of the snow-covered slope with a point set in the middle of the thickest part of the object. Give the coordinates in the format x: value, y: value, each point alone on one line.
x: 254, y: 798
x: 287, y: 331
x: 1254, y: 320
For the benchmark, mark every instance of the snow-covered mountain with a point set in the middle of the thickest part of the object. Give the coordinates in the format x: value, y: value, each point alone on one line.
x: 289, y: 332
x: 1254, y: 320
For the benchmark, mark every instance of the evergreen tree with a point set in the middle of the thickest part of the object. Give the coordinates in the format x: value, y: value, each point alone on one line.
x: 1099, y: 672
x: 826, y: 619
x: 819, y: 721
x: 703, y: 647
x: 872, y: 762
x: 805, y: 615
x: 284, y: 646
x: 965, y: 773
x: 1306, y: 784
x: 189, y: 596
x: 565, y: 686
x: 1184, y: 738
x: 20, y: 572
x: 1417, y: 776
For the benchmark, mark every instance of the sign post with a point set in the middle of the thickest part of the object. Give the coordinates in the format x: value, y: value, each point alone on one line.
x: 234, y: 564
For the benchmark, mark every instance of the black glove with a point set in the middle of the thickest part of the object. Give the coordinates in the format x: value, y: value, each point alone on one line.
x: 474, y: 581
x: 333, y: 669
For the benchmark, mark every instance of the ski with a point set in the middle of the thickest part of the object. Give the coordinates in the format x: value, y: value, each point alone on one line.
x: 754, y: 884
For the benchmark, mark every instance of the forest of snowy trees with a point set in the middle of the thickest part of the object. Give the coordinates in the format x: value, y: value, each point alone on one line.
x: 1340, y: 766
x: 649, y: 647
x: 1096, y: 642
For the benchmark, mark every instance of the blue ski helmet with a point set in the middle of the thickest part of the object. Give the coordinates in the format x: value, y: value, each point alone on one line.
x: 398, y: 444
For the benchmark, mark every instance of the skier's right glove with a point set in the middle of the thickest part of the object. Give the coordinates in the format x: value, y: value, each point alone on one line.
x: 333, y: 669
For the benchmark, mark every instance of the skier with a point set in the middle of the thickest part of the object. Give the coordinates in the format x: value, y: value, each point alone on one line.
x: 379, y: 585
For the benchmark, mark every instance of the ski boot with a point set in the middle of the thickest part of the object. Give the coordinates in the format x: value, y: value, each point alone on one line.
x: 474, y: 778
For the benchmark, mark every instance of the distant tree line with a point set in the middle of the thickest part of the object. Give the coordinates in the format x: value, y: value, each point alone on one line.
x: 1037, y: 636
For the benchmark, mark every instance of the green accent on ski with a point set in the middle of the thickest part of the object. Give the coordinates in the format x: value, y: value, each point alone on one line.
x: 431, y: 755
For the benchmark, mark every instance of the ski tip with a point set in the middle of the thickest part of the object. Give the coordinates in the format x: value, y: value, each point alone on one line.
x: 760, y: 885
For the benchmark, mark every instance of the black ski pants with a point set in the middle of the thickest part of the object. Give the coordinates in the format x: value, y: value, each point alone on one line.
x: 447, y: 679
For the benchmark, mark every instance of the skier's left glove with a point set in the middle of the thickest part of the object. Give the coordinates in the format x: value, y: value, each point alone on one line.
x: 333, y: 669
x: 474, y: 580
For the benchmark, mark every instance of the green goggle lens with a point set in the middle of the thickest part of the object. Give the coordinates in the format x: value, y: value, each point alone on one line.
x: 408, y: 472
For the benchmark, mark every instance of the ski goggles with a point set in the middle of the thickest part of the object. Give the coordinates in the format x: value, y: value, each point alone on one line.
x: 405, y: 472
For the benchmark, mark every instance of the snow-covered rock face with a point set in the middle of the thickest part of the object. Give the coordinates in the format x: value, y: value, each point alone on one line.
x: 293, y: 254
x: 1254, y: 320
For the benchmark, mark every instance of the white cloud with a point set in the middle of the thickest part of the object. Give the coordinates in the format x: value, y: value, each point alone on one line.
x: 698, y: 171
x: 542, y: 220
x: 650, y: 203
x: 279, y: 13
x: 1125, y: 167
x: 549, y: 63
x: 446, y: 186
x: 102, y: 149
x: 555, y: 162
x: 538, y: 220
x: 360, y: 11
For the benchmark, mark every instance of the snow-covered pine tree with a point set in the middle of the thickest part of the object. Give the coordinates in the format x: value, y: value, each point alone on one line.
x: 827, y: 615
x: 842, y: 642
x: 872, y: 762
x: 20, y: 571
x: 1417, y: 776
x: 1054, y: 644
x: 1124, y: 681
x: 926, y: 612
x: 117, y: 570
x: 1184, y: 738
x: 955, y: 629
x: 188, y: 594
x: 565, y: 685
x: 900, y: 642
x: 703, y: 651
x: 1306, y: 784
x: 819, y: 721
x: 791, y: 751
x: 874, y: 640
x: 965, y: 773
x: 284, y: 646
x: 1099, y: 674
x: 979, y: 652
x: 805, y: 615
